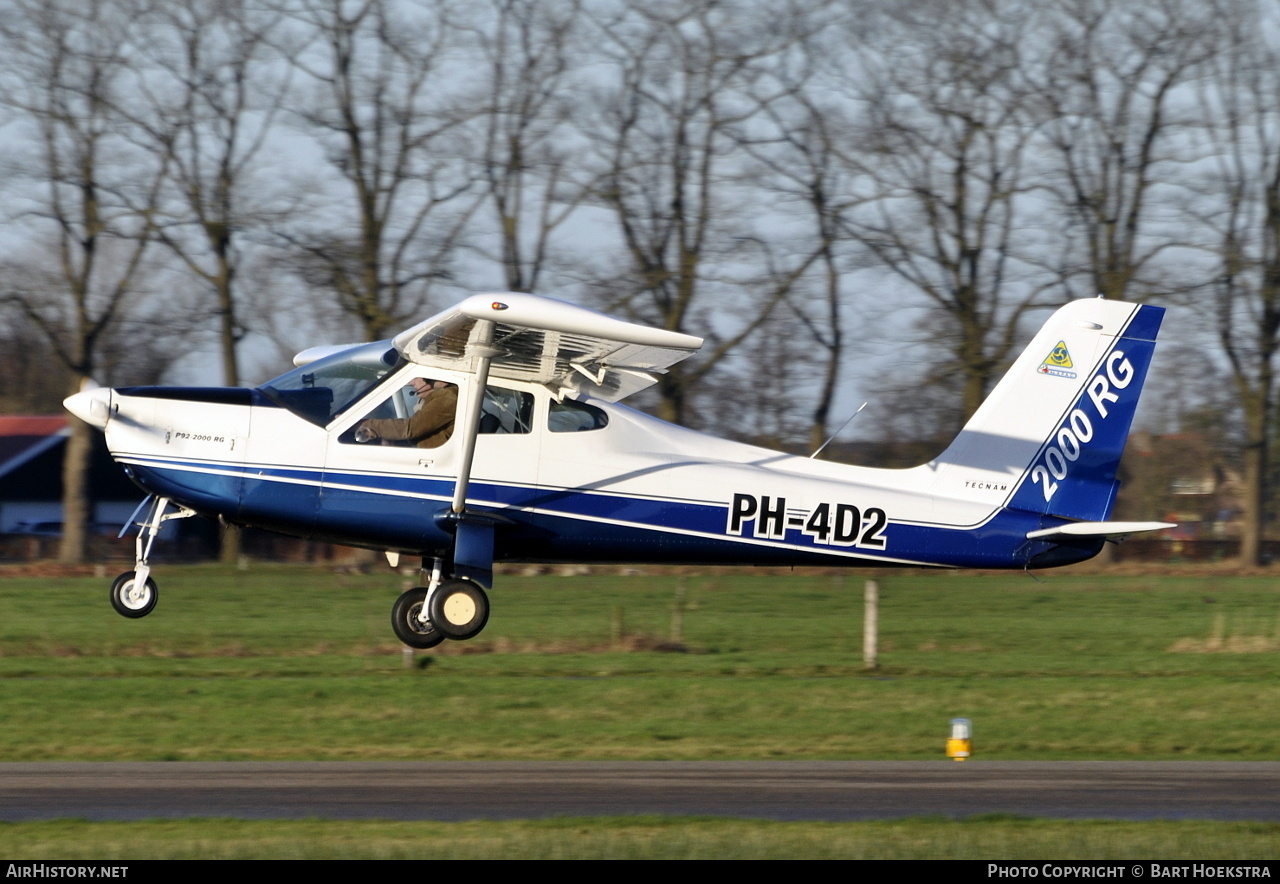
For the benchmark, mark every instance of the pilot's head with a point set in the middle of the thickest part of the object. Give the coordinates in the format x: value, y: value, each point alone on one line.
x: 423, y: 386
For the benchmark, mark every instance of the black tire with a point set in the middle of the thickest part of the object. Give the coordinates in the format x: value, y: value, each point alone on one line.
x: 406, y: 625
x: 131, y: 602
x: 459, y: 609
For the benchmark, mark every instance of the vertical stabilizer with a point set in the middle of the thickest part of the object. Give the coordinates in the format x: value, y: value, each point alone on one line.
x: 1049, y: 437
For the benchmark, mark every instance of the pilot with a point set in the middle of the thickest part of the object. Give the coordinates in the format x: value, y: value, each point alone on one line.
x: 430, y: 426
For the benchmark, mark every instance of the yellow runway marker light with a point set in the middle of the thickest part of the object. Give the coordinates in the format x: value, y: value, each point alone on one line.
x: 960, y: 745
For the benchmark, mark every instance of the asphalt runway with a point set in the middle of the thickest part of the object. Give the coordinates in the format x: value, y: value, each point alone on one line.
x: 819, y: 790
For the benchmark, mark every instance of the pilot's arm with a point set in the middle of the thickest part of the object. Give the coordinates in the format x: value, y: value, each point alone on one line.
x: 429, y: 427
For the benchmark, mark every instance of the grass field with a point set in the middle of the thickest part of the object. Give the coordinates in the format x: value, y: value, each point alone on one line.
x: 287, y: 663
x: 294, y: 663
x: 983, y: 838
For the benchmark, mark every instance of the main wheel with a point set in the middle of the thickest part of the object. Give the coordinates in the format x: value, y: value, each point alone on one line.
x: 408, y: 628
x: 459, y: 609
x: 131, y: 600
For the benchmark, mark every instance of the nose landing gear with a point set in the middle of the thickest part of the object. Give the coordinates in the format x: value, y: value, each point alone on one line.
x: 133, y: 598
x: 134, y: 594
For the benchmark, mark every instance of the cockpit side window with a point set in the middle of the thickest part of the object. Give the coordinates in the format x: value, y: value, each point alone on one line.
x: 421, y: 414
x: 320, y: 391
x: 506, y: 411
x: 575, y: 417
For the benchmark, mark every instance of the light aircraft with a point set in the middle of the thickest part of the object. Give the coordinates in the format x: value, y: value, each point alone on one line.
x: 545, y: 466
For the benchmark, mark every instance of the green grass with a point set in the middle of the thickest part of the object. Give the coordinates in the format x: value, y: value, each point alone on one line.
x: 294, y: 663
x: 985, y: 838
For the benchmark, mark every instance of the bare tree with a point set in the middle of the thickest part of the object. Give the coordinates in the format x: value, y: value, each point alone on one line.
x: 687, y: 78
x: 208, y: 113
x: 943, y: 152
x: 528, y: 174
x: 32, y: 378
x: 385, y: 110
x: 807, y: 165
x: 68, y: 66
x: 761, y: 395
x: 1239, y: 208
x: 1114, y: 127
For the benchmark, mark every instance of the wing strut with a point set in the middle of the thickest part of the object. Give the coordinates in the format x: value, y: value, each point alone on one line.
x: 473, y: 540
x: 481, y: 349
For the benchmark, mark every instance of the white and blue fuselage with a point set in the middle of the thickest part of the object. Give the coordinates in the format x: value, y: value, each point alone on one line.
x: 566, y: 477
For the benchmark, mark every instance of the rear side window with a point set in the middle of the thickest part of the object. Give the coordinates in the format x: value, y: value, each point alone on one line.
x: 575, y: 417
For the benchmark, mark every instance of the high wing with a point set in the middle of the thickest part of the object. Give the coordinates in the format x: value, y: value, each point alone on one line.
x: 567, y: 348
x: 541, y: 340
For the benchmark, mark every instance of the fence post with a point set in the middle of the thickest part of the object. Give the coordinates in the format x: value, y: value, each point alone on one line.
x: 870, y: 623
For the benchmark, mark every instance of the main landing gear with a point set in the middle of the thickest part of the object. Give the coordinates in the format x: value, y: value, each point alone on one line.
x: 134, y: 594
x: 456, y: 609
x: 410, y: 622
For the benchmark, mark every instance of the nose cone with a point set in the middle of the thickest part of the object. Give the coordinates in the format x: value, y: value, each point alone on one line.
x: 91, y: 406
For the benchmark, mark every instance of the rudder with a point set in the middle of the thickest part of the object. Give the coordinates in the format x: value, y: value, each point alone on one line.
x: 1054, y: 428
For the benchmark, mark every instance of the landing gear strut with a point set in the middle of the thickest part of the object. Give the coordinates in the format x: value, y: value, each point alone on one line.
x: 456, y: 609
x: 134, y: 594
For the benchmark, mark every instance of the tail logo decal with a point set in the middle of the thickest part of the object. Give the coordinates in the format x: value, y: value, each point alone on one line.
x: 1058, y: 362
x: 1076, y: 431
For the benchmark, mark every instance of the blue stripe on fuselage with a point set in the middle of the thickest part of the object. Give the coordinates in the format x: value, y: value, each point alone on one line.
x: 401, y: 512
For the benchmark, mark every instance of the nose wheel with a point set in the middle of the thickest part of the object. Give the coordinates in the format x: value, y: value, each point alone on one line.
x: 133, y: 598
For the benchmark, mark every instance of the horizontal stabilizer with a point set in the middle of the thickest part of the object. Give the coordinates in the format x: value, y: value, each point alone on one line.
x: 1099, y: 529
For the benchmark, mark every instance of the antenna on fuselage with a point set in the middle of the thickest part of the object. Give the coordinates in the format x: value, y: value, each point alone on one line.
x: 832, y: 437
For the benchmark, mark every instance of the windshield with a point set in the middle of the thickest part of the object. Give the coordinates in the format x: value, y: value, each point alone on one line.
x: 320, y: 391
